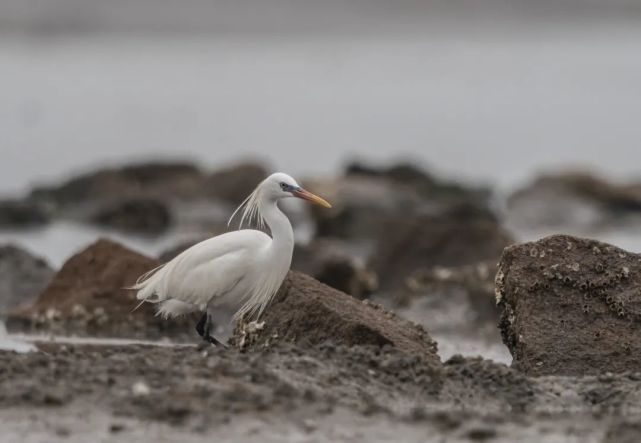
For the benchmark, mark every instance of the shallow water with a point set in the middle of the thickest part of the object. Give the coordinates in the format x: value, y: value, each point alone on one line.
x: 11, y: 343
x: 59, y: 240
x: 449, y: 345
x: 28, y: 339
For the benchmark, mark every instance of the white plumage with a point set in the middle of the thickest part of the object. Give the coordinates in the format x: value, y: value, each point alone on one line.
x: 242, y: 268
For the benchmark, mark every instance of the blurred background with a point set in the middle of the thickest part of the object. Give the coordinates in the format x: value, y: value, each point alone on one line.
x: 149, y: 121
x: 489, y: 91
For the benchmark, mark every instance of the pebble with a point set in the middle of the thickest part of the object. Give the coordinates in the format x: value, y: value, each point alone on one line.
x: 140, y: 389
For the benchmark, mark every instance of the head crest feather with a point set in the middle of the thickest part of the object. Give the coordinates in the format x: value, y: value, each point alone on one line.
x: 251, y: 211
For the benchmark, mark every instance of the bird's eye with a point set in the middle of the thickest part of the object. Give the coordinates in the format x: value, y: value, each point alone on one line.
x: 283, y: 186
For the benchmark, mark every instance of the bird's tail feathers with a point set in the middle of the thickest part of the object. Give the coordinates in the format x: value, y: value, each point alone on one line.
x: 149, y: 285
x: 137, y: 306
x: 144, y: 277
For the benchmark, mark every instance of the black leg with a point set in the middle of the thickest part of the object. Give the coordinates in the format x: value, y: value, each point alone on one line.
x: 200, y: 327
x: 203, y: 328
x: 207, y: 326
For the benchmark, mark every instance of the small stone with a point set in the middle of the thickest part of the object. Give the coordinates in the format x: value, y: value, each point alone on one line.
x: 78, y: 311
x: 481, y: 433
x: 309, y: 425
x: 116, y: 427
x: 63, y: 432
x: 140, y: 389
x: 52, y: 314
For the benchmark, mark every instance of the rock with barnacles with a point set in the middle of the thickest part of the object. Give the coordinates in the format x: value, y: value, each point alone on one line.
x: 570, y: 306
x: 88, y: 297
x: 307, y: 312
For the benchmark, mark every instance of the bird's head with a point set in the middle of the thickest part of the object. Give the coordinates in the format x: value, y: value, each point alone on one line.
x: 280, y: 185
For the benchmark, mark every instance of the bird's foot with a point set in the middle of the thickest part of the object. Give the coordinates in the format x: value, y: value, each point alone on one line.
x: 203, y: 327
x: 214, y: 341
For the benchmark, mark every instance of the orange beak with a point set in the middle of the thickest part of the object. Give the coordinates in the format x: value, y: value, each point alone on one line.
x: 306, y: 195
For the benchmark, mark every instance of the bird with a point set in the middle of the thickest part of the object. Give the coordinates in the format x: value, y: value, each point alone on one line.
x: 242, y: 268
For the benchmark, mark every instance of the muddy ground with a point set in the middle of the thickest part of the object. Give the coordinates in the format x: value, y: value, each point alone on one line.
x: 322, y: 393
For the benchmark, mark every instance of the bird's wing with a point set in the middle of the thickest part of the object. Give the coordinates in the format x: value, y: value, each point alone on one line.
x: 210, y: 268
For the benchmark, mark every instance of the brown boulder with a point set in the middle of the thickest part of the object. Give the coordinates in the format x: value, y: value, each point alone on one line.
x: 308, y: 312
x: 87, y: 296
x: 570, y: 306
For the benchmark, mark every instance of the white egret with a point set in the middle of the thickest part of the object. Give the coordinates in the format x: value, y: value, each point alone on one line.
x: 244, y: 267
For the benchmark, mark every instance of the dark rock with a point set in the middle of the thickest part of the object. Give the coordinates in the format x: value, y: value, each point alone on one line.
x: 624, y: 431
x: 572, y: 199
x: 570, y: 306
x: 148, y: 197
x: 468, y: 211
x: 406, y: 173
x: 411, y: 176
x: 481, y: 433
x: 342, y: 273
x: 425, y: 241
x: 365, y: 199
x: 22, y: 214
x: 146, y: 179
x: 235, y: 183
x: 458, y: 299
x: 138, y: 215
x: 87, y: 296
x: 22, y: 277
x: 359, y: 206
x: 330, y: 263
x: 308, y: 312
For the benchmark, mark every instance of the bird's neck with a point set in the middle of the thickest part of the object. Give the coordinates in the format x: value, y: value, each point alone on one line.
x: 281, y: 229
